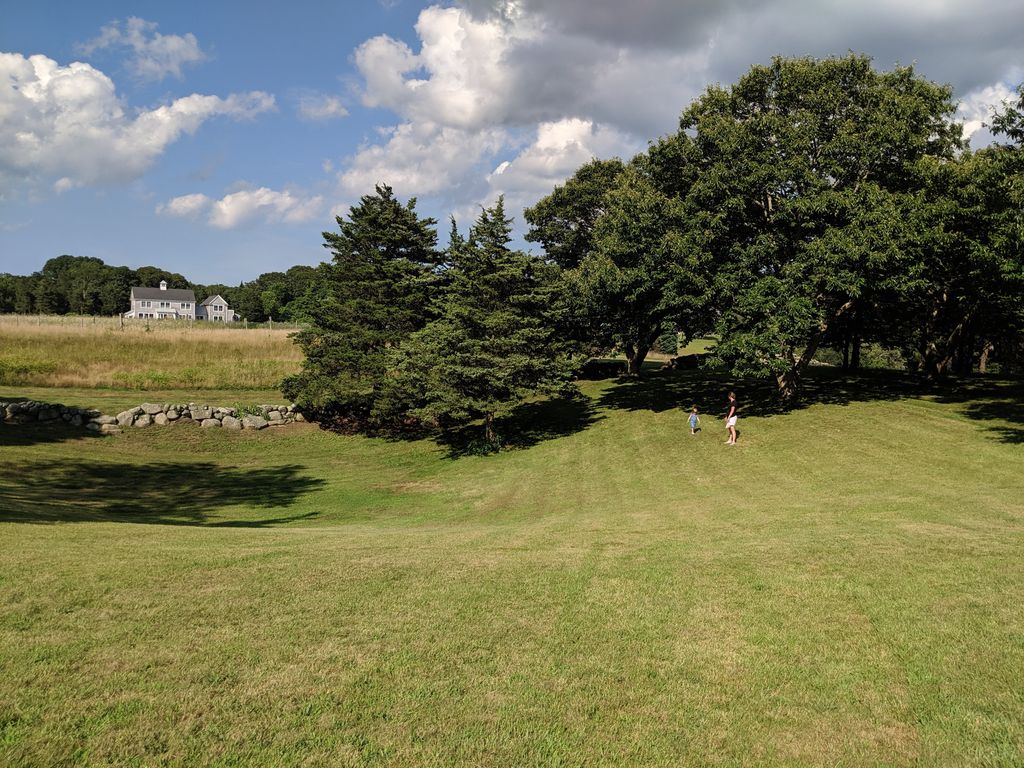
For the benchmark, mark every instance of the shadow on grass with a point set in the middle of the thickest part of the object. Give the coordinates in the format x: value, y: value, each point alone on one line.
x: 665, y: 390
x: 176, y: 493
x: 986, y: 400
x: 525, y: 427
x: 20, y: 435
x: 980, y: 398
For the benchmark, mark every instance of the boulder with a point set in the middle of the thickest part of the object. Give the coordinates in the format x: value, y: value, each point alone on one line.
x: 49, y: 414
x: 104, y: 419
x: 250, y: 421
x: 299, y: 417
x: 92, y: 426
x: 76, y: 420
x: 210, y: 423
x: 124, y: 418
x: 230, y: 422
x: 151, y: 408
x: 274, y: 415
x: 172, y: 414
x: 201, y: 412
x: 110, y: 429
x: 160, y: 419
x: 143, y: 421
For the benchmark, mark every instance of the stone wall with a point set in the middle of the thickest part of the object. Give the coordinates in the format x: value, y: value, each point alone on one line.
x: 147, y: 414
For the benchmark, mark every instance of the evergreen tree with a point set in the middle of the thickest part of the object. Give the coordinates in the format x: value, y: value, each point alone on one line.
x: 372, y: 296
x: 493, y: 344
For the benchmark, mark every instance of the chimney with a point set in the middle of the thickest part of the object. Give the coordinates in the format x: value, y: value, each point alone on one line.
x: 163, y: 285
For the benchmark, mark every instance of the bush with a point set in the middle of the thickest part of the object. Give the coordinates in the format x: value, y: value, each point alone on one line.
x: 15, y: 371
x: 667, y: 343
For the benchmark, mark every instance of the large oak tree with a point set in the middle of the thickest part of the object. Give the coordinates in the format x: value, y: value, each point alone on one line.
x: 805, y: 175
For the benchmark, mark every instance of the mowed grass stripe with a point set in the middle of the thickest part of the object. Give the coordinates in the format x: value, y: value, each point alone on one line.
x: 837, y: 589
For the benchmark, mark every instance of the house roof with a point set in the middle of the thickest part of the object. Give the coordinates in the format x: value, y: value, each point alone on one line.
x: 211, y: 299
x: 170, y: 294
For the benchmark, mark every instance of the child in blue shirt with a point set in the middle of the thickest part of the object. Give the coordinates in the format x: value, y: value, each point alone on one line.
x: 694, y: 421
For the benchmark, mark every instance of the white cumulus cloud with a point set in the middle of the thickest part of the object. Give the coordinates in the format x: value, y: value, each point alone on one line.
x: 421, y: 158
x: 977, y: 107
x: 511, y: 96
x: 560, y: 147
x: 478, y: 84
x: 321, y: 107
x: 246, y: 205
x: 237, y: 208
x: 154, y: 56
x: 185, y: 205
x: 66, y: 122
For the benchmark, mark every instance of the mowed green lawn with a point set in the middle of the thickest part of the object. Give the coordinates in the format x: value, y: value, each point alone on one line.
x: 844, y: 587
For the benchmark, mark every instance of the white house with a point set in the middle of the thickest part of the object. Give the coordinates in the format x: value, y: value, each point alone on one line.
x: 165, y: 303
x: 162, y: 303
x: 215, y: 309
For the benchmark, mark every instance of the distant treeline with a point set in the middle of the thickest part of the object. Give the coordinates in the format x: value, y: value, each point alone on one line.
x: 84, y: 285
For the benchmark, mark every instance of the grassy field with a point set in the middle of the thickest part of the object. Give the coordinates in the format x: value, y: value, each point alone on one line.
x: 97, y: 353
x: 844, y: 587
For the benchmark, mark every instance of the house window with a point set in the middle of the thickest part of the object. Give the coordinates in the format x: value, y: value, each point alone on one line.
x: 165, y: 305
x: 145, y: 303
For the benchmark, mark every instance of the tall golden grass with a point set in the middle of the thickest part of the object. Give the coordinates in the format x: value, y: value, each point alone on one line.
x: 99, y: 352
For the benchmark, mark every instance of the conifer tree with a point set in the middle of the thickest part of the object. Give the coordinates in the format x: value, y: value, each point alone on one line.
x: 373, y: 294
x: 493, y: 343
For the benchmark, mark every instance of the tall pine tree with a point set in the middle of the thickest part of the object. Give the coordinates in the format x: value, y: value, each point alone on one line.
x: 493, y: 344
x: 373, y: 294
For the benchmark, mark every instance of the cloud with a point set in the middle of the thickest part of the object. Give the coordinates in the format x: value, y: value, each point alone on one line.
x: 184, y: 206
x: 482, y: 87
x: 321, y: 107
x: 977, y: 108
x: 528, y: 87
x: 559, y: 148
x: 67, y: 123
x: 422, y: 158
x: 154, y: 56
x: 246, y: 205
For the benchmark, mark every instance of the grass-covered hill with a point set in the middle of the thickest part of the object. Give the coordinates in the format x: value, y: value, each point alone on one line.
x: 844, y: 587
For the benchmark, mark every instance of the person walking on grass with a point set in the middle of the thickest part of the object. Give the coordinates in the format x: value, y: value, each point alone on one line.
x: 694, y: 421
x: 730, y: 419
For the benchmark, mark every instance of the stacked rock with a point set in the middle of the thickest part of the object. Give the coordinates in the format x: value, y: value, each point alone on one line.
x: 33, y: 411
x: 159, y: 414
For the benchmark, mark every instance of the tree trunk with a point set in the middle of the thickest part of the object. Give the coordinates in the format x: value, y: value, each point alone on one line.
x: 489, y: 434
x: 855, y: 354
x: 846, y: 354
x: 986, y: 350
x: 938, y: 364
x: 789, y: 381
x: 636, y: 352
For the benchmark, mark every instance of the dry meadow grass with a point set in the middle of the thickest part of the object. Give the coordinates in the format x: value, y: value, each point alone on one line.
x: 97, y: 353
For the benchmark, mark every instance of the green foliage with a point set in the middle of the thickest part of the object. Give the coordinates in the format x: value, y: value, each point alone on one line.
x: 17, y: 370
x: 637, y: 276
x: 668, y: 342
x: 563, y: 222
x: 493, y: 344
x: 805, y: 177
x: 371, y: 297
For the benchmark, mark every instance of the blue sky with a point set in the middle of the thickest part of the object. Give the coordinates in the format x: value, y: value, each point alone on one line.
x: 219, y: 139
